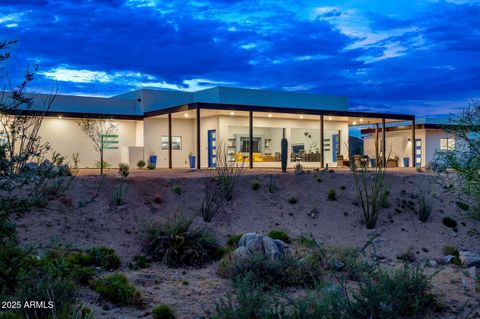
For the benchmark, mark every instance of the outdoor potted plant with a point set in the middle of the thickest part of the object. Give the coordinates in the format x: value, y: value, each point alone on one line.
x: 152, y: 159
x: 191, y: 160
x: 406, y: 162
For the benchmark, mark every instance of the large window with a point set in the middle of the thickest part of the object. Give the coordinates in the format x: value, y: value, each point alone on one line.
x: 176, y: 142
x: 447, y: 144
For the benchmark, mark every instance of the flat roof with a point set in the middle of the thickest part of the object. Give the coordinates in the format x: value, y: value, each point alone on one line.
x: 143, y: 103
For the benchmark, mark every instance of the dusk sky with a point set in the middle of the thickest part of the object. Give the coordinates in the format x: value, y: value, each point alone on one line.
x: 417, y: 57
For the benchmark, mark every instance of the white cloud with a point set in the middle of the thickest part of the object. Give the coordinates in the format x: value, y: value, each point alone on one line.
x: 135, y: 80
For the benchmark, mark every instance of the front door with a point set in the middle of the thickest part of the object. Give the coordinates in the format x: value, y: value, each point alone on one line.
x: 418, y: 153
x: 212, y: 148
x: 335, y: 143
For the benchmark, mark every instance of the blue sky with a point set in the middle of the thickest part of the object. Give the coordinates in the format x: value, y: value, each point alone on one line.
x: 418, y: 57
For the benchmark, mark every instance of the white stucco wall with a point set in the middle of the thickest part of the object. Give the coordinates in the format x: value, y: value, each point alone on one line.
x: 66, y: 137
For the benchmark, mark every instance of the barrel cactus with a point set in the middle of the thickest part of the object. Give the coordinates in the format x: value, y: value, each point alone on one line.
x: 284, y: 154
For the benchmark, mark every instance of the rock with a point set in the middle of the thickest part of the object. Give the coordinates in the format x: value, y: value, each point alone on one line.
x: 470, y: 259
x: 241, y: 252
x: 253, y: 243
x: 32, y: 166
x: 445, y: 260
x: 45, y: 165
x: 432, y: 263
x: 338, y: 265
x: 472, y: 272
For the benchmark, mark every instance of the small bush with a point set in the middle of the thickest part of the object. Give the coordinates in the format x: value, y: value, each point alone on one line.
x: 177, y: 243
x: 104, y: 257
x: 425, y: 204
x: 233, y: 240
x: 255, y: 185
x: 123, y: 169
x: 119, y: 196
x: 450, y: 250
x: 177, y: 190
x: 408, y: 256
x: 331, y: 195
x: 279, y: 234
x: 163, y: 312
x: 116, y: 289
x: 141, y: 164
x: 293, y: 200
x: 449, y: 222
x: 150, y: 166
x: 139, y: 262
x: 463, y: 206
x: 319, y: 179
x: 284, y: 272
x: 10, y: 315
x: 105, y: 164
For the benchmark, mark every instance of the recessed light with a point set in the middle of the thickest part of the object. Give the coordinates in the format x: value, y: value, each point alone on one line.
x: 232, y: 113
x: 59, y: 116
x: 354, y: 123
x: 270, y: 115
x: 301, y: 116
x: 186, y: 115
x: 329, y: 118
x: 361, y: 120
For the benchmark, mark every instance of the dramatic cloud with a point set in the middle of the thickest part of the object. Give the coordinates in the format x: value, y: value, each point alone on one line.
x: 406, y: 57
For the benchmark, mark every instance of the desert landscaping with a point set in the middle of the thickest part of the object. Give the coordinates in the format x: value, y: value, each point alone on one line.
x: 316, y: 206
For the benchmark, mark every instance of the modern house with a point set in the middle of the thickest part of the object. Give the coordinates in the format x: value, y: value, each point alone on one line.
x: 248, y: 124
x: 430, y: 137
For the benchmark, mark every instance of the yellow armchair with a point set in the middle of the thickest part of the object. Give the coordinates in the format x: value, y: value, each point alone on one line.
x: 239, y: 157
x: 257, y: 157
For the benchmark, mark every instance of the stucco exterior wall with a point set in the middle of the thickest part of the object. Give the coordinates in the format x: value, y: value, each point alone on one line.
x: 66, y: 137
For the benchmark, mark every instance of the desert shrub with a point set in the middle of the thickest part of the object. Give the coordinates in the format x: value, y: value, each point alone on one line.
x: 141, y: 164
x: 228, y: 172
x: 425, y: 203
x: 452, y: 251
x: 331, y: 195
x: 104, y: 257
x: 163, y: 312
x: 384, y: 199
x: 150, y: 166
x: 119, y: 196
x: 272, y: 185
x: 123, y: 169
x: 10, y: 315
x: 279, y: 234
x: 463, y: 206
x: 213, y: 200
x: 139, y: 262
x: 298, y: 168
x: 319, y: 179
x: 233, y: 240
x: 252, y: 301
x: 116, y: 289
x: 98, y: 164
x: 355, y: 265
x: 400, y: 293
x: 449, y: 222
x: 282, y: 272
x: 255, y: 185
x: 76, y: 311
x: 407, y: 256
x: 293, y: 200
x: 177, y: 243
x: 177, y: 190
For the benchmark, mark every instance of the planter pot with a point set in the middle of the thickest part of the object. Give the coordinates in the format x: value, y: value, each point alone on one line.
x: 191, y: 160
x: 153, y: 160
x: 372, y: 162
x: 406, y: 162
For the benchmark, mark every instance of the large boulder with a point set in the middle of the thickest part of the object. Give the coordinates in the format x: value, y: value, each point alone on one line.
x: 253, y: 243
x: 46, y: 165
x: 470, y: 259
x: 29, y: 167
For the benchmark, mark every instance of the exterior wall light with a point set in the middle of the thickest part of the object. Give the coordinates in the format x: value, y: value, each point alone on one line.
x: 232, y: 113
x: 270, y: 115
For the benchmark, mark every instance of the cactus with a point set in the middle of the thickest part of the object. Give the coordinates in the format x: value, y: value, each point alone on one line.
x: 284, y: 154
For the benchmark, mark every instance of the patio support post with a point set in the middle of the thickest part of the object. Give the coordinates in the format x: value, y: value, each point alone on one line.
x: 169, y: 140
x: 377, y: 154
x: 250, y: 136
x: 384, y: 143
x: 413, y: 143
x: 322, y: 158
x: 198, y: 137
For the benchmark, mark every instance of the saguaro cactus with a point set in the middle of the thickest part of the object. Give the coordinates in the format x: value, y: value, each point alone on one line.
x: 284, y: 145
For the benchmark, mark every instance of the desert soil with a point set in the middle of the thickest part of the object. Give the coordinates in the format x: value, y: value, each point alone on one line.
x: 193, y: 292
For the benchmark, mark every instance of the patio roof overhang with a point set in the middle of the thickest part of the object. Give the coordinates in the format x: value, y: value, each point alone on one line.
x: 300, y: 111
